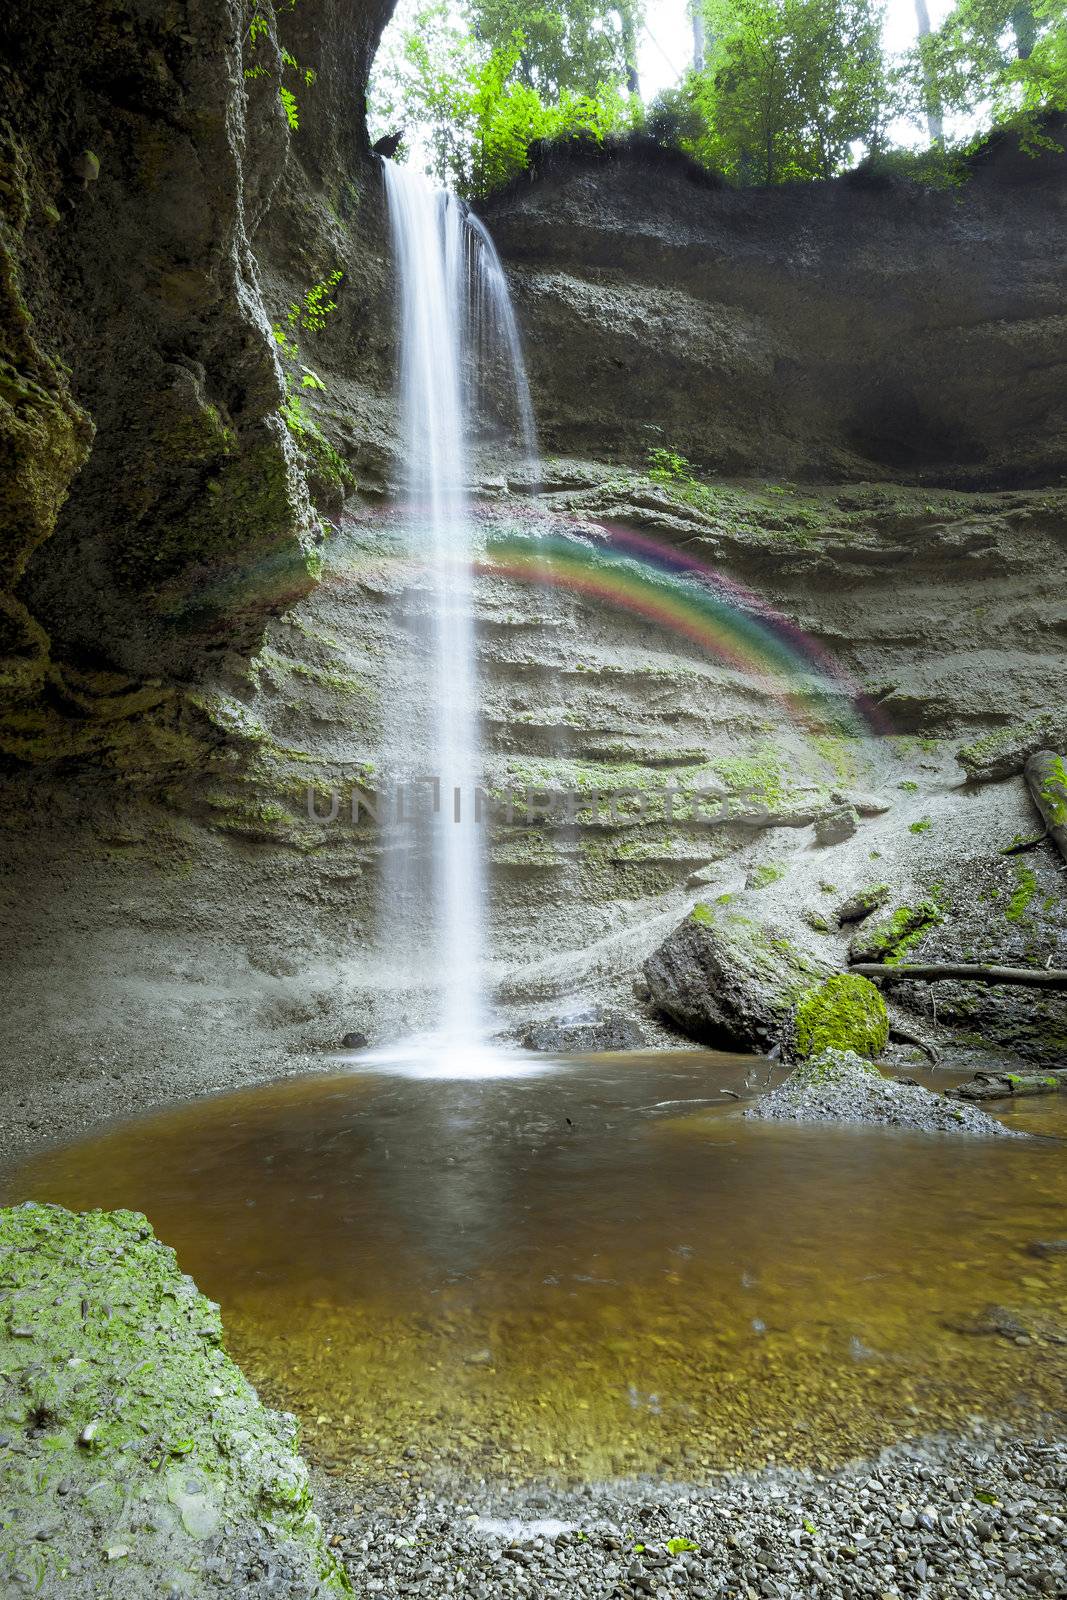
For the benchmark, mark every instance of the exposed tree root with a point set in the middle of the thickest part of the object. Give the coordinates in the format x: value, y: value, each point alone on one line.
x: 905, y: 1036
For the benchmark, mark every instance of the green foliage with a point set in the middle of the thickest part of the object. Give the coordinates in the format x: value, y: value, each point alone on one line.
x: 575, y: 48
x: 1007, y: 55
x: 679, y: 1545
x: 289, y: 106
x: 259, y: 28
x: 311, y: 312
x: 845, y: 1013
x: 480, y: 99
x: 790, y: 87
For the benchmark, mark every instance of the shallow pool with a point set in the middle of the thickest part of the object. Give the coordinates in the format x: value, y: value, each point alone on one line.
x: 599, y: 1268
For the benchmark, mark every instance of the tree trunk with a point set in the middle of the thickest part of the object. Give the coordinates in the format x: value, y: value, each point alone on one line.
x: 1046, y: 775
x: 934, y: 121
x: 1024, y: 28
x: 935, y: 971
x: 629, y: 50
x: 696, y: 17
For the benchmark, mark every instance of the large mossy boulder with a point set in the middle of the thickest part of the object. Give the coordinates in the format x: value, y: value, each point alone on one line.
x: 136, y: 1458
x: 844, y: 1013
x: 727, y: 980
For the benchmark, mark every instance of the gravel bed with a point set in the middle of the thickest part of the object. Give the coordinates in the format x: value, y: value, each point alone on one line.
x: 849, y: 1092
x: 976, y: 1517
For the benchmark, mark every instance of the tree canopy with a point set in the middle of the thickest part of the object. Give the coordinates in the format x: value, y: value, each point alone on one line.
x: 779, y: 90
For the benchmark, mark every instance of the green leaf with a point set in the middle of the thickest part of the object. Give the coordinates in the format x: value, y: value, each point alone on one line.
x: 675, y: 1547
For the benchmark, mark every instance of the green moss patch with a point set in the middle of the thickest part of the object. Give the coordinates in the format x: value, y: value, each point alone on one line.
x: 137, y: 1455
x: 844, y: 1013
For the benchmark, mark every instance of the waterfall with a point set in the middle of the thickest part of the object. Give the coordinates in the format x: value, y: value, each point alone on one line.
x: 457, y: 331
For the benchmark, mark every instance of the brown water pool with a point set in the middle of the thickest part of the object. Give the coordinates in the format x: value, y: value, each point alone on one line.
x: 601, y: 1268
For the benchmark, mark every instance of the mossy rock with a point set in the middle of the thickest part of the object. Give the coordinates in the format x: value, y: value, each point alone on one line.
x: 844, y: 1013
x: 729, y: 980
x: 889, y: 938
x: 138, y: 1459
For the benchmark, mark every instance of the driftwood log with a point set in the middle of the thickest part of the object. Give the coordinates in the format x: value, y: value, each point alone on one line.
x: 1046, y: 776
x: 961, y: 971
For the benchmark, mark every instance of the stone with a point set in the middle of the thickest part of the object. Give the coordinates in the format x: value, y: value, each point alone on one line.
x: 864, y: 903
x: 354, y: 1041
x: 727, y: 980
x: 249, y: 1492
x: 843, y: 1087
x: 1004, y: 752
x: 846, y: 1012
x: 585, y: 1032
x: 888, y: 936
x: 868, y: 805
x: 834, y: 827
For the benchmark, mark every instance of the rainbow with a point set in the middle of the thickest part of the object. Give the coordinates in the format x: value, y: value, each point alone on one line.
x: 631, y: 573
x: 616, y: 567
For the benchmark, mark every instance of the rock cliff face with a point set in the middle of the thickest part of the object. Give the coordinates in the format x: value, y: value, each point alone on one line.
x: 202, y: 617
x: 158, y: 217
x: 859, y: 329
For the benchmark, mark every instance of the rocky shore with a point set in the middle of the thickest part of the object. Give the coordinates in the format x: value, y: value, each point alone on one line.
x: 975, y: 1518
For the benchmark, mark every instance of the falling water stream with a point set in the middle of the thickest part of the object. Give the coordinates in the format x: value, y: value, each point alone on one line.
x: 457, y: 331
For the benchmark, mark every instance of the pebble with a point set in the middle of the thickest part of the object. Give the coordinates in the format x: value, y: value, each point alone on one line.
x: 753, y: 1532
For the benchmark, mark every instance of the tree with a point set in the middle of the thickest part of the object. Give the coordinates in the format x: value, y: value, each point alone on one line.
x: 696, y: 19
x: 575, y: 46
x: 472, y: 104
x: 935, y: 123
x: 1009, y: 60
x: 790, y: 88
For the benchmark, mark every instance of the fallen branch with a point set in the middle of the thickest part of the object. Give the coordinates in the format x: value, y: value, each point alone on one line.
x: 934, y: 971
x: 1046, y: 777
x: 1024, y: 845
x: 905, y: 1036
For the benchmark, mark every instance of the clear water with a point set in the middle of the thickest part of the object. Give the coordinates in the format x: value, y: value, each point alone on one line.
x: 599, y: 1267
x: 456, y: 327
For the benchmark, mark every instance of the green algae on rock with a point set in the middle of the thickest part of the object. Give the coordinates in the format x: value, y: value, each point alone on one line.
x: 139, y: 1459
x: 890, y: 937
x: 845, y: 1013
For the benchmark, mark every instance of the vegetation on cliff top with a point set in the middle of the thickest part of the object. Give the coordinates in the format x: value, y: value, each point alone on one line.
x: 778, y: 90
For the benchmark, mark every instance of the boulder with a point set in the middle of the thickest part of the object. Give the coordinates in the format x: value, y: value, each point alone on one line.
x: 834, y: 827
x: 863, y: 904
x: 844, y: 1013
x: 1005, y: 752
x: 586, y: 1032
x: 727, y: 980
x: 139, y: 1460
x: 868, y: 805
x: 889, y: 937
